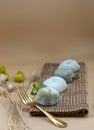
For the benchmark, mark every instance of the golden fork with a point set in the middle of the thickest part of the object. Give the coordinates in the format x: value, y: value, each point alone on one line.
x: 27, y: 100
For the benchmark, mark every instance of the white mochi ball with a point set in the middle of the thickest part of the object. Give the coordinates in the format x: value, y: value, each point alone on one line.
x: 64, y: 73
x: 57, y: 83
x: 47, y: 96
x: 70, y: 64
x: 3, y: 78
x: 10, y: 86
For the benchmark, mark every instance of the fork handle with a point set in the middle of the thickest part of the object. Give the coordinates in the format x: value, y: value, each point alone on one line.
x: 59, y: 123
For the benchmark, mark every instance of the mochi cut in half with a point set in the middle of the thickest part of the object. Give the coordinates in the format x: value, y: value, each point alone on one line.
x: 57, y: 83
x: 47, y: 96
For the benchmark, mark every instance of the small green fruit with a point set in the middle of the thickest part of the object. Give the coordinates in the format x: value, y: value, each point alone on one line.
x: 2, y: 69
x: 19, y: 77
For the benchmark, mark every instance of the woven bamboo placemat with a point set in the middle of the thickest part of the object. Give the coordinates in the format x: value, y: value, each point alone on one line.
x: 73, y: 101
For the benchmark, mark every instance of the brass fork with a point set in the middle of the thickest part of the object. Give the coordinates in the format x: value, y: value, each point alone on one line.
x: 27, y: 100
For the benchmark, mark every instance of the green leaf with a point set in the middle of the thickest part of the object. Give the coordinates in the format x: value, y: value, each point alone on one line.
x: 75, y: 76
x: 41, y: 86
x: 33, y: 92
x: 36, y: 87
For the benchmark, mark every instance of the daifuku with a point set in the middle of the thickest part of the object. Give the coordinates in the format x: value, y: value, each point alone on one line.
x: 70, y: 64
x: 57, y: 83
x: 64, y: 73
x: 47, y: 96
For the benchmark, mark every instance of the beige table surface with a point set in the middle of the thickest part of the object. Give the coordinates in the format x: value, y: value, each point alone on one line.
x: 33, y: 32
x: 30, y: 63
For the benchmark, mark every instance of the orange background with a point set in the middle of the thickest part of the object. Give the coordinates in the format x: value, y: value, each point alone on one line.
x: 33, y: 32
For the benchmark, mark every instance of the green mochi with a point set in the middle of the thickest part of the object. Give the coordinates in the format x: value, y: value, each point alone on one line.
x: 64, y: 73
